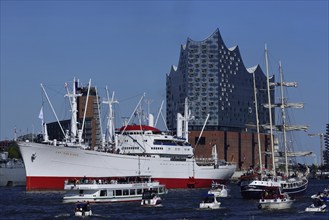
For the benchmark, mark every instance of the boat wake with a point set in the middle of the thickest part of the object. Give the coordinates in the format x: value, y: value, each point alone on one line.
x: 64, y: 215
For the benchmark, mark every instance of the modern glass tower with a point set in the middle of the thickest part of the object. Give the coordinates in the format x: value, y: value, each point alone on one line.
x: 216, y: 82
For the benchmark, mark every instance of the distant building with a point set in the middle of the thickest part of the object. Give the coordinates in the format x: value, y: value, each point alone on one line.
x: 216, y: 82
x: 326, y: 149
x: 91, y: 132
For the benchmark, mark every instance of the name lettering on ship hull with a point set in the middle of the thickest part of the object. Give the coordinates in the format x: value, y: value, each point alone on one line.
x: 67, y: 153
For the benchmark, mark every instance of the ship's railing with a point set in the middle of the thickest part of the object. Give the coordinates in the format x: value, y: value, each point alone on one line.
x: 208, y: 161
x: 128, y: 180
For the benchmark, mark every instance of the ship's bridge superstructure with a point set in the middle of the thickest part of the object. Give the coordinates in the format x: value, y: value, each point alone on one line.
x: 149, y: 141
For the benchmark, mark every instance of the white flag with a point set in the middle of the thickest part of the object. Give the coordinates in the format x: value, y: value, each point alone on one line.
x: 41, y: 113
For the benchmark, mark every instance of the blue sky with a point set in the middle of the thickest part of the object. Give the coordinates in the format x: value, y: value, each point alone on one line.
x: 130, y: 46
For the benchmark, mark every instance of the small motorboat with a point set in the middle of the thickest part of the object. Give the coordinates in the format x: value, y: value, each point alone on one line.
x: 219, y: 190
x: 82, y: 209
x: 151, y: 199
x: 324, y: 196
x: 273, y: 199
x: 317, y: 206
x: 210, y: 202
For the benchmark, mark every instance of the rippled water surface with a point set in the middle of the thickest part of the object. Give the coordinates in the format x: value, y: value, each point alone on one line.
x: 16, y: 203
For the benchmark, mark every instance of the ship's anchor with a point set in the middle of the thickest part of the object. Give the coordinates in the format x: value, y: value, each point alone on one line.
x: 33, y: 157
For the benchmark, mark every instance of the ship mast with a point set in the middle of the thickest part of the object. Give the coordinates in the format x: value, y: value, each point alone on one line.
x: 110, y: 120
x: 284, y: 127
x: 270, y: 111
x: 257, y: 123
x: 182, y: 121
x: 74, y: 109
x: 283, y: 115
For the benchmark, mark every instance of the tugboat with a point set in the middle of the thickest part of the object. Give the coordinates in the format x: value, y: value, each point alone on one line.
x: 82, y: 209
x: 210, y: 202
x: 151, y: 199
x: 274, y: 199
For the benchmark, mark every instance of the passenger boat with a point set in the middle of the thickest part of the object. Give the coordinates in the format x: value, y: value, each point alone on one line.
x: 135, y: 149
x: 82, y: 209
x: 316, y: 206
x: 273, y: 199
x: 219, y: 190
x: 210, y: 201
x: 110, y: 190
x: 150, y: 198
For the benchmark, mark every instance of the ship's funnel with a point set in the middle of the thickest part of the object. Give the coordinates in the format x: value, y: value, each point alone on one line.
x: 151, y: 120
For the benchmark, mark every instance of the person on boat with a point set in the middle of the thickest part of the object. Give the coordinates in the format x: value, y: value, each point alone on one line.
x: 77, y: 206
x: 87, y: 207
x: 317, y: 202
x: 266, y: 195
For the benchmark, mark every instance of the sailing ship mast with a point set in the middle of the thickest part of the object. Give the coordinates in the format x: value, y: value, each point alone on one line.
x: 284, y: 127
x: 270, y: 111
x: 257, y: 123
x: 283, y: 114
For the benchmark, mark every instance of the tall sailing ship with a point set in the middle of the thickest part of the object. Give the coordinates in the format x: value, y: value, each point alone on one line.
x: 134, y: 150
x: 292, y: 181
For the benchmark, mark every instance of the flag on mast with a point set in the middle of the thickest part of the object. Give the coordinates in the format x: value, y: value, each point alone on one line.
x: 41, y: 114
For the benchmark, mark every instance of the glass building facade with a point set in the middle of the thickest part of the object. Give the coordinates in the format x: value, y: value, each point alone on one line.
x: 216, y: 82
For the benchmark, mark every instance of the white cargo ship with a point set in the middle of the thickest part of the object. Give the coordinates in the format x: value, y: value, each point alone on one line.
x: 138, y: 150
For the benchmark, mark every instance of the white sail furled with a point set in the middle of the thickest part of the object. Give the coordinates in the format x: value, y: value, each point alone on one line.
x: 287, y: 127
x: 291, y: 154
x: 285, y: 105
x: 286, y: 84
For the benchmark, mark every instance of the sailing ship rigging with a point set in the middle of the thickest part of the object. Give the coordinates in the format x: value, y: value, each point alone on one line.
x: 294, y: 182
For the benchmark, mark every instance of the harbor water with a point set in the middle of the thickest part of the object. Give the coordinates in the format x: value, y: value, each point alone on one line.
x: 16, y: 203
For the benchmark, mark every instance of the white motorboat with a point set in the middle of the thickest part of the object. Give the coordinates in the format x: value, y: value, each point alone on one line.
x: 323, y: 196
x: 273, y: 199
x: 219, y: 190
x: 317, y: 206
x: 115, y: 190
x: 210, y: 202
x: 151, y: 199
x: 82, y: 209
